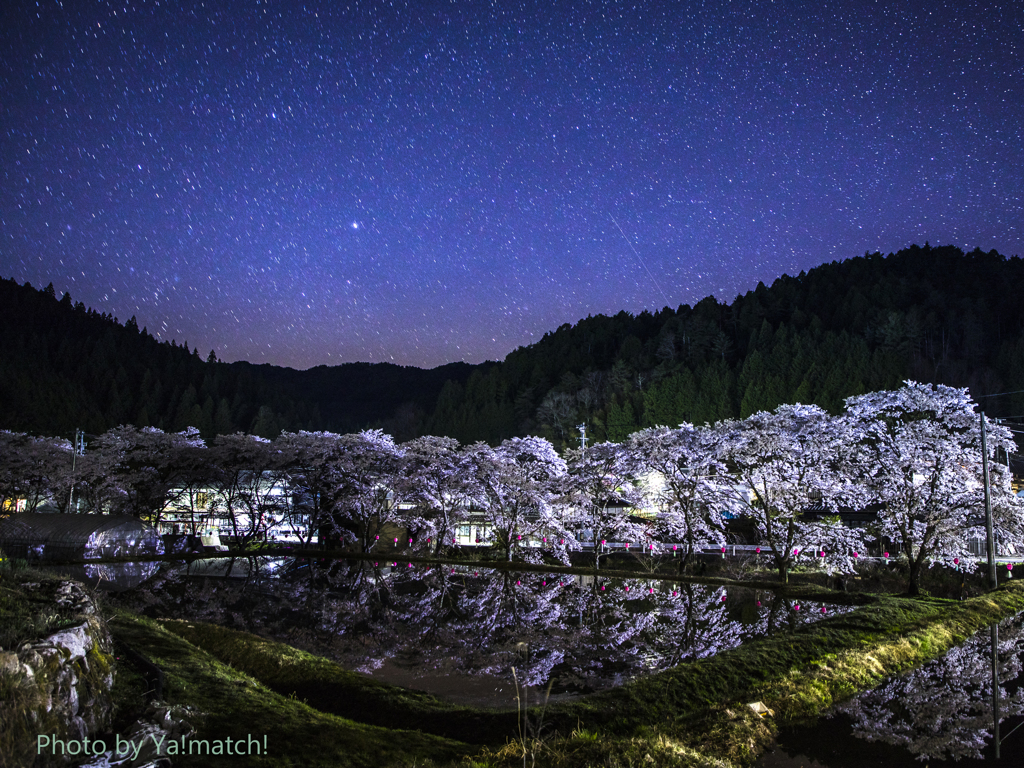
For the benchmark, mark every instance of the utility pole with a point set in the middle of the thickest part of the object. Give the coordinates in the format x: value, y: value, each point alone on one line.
x: 988, y: 508
x: 79, y: 441
x: 583, y: 438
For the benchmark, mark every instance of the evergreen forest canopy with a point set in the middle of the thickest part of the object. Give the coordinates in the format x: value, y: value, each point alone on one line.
x: 64, y: 367
x: 844, y: 328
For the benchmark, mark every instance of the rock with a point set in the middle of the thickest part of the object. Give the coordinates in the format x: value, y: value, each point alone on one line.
x: 77, y: 641
x: 62, y: 682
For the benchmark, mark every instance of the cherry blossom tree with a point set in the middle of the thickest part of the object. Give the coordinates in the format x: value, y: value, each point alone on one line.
x: 32, y: 470
x: 311, y: 463
x: 689, y: 483
x: 786, y: 463
x: 249, y: 478
x: 133, y: 471
x: 518, y: 485
x: 438, y: 477
x: 918, y: 454
x: 601, y: 488
x: 368, y: 472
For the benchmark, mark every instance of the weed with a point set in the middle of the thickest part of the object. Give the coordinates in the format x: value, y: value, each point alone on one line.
x: 531, y: 731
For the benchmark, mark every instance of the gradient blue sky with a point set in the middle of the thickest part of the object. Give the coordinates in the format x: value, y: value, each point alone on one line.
x: 426, y: 182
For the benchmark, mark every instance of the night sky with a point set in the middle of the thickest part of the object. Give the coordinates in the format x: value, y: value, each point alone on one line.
x: 426, y: 182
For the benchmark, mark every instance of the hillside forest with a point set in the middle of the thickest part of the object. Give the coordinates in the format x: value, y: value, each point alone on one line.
x: 844, y: 328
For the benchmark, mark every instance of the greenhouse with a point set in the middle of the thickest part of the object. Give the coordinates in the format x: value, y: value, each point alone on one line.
x: 45, y: 537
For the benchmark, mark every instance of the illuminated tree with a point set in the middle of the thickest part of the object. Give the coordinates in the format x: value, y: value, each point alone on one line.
x: 689, y: 483
x: 368, y: 472
x: 601, y: 490
x: 438, y: 477
x: 786, y: 463
x: 518, y: 485
x: 918, y: 455
x: 32, y: 470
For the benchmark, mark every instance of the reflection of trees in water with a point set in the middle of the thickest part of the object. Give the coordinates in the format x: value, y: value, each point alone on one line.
x: 767, y: 613
x: 465, y: 619
x: 944, y: 709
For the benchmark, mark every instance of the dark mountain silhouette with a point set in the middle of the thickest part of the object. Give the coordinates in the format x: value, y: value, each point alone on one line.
x: 63, y: 367
x: 844, y: 328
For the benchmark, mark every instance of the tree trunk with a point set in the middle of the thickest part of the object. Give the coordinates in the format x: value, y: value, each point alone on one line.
x: 914, y: 588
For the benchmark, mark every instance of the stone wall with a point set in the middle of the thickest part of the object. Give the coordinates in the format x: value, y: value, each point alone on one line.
x: 58, y: 686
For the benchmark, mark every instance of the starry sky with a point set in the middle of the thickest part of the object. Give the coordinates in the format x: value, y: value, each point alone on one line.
x: 426, y: 182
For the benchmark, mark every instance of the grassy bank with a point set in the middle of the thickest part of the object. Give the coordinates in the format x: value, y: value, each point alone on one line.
x: 316, y: 713
x: 236, y: 705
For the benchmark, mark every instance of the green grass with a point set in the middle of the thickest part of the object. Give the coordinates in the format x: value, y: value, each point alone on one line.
x: 27, y: 615
x: 235, y: 705
x: 692, y: 715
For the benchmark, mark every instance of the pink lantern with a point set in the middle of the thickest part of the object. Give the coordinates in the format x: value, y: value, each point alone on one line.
x: 376, y: 538
x: 396, y: 541
x: 796, y: 607
x: 627, y: 589
x: 723, y: 553
x: 627, y: 547
x: 855, y: 554
x: 410, y: 565
x: 519, y: 537
x: 561, y: 583
x: 410, y: 542
x: 757, y: 551
x: 723, y: 598
x: 796, y: 553
x: 519, y: 583
x: 886, y: 555
x: 603, y: 542
x: 652, y: 590
x: 822, y: 553
x: 823, y: 609
x: 561, y: 541
x: 602, y: 587
x: 956, y: 561
x: 375, y: 565
x: 543, y: 583
x: 674, y: 593
x: 758, y: 603
x: 545, y: 539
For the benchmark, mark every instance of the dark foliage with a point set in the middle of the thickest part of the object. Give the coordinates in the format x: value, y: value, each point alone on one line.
x: 63, y: 367
x: 841, y: 329
x: 844, y: 328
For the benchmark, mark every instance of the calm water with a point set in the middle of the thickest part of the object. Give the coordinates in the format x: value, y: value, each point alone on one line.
x: 935, y: 715
x: 458, y: 632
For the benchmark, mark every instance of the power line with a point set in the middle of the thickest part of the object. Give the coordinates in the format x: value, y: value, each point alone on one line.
x: 997, y: 394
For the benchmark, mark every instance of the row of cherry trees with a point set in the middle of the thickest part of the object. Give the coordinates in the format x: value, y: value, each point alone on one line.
x: 914, y: 454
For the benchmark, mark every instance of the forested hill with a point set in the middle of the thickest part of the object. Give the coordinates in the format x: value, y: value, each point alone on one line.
x: 63, y: 366
x: 930, y: 314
